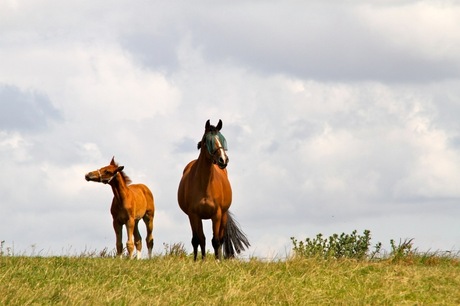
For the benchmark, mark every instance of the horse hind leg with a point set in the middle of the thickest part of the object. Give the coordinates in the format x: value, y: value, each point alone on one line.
x: 149, y: 239
x: 137, y: 240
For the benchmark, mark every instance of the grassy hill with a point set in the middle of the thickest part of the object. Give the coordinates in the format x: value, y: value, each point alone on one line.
x: 176, y: 280
x: 340, y: 269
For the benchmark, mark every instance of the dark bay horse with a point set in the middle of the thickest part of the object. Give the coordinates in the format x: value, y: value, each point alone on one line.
x: 131, y: 202
x: 205, y: 193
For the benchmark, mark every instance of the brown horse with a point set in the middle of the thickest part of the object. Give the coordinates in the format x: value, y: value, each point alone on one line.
x: 205, y: 193
x: 130, y: 204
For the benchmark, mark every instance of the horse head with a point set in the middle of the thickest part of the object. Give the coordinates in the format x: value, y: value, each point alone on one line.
x: 105, y: 174
x: 215, y: 144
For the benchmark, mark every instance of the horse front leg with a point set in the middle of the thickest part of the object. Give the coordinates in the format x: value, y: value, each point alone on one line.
x: 118, y: 228
x: 198, y: 238
x: 130, y: 243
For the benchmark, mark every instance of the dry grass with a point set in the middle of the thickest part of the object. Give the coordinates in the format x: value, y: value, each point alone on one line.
x: 171, y: 280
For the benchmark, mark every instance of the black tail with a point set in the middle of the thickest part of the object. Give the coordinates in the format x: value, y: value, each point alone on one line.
x: 234, y: 238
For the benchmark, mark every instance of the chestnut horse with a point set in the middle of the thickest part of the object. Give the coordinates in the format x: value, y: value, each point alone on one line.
x: 205, y: 193
x: 131, y: 202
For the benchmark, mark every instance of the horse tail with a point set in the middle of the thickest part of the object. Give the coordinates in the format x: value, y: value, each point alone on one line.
x: 235, y: 239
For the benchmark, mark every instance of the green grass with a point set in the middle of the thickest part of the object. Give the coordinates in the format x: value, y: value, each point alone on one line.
x: 177, y: 280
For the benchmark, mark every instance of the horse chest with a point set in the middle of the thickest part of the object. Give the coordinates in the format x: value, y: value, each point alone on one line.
x: 205, y: 207
x: 120, y: 215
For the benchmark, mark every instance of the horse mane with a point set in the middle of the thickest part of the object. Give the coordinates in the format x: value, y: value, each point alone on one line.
x: 124, y: 175
x: 125, y: 178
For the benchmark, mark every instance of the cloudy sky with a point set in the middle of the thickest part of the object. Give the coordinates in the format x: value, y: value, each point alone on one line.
x: 339, y: 115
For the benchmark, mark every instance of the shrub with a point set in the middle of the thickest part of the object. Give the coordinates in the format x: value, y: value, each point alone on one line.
x: 344, y: 246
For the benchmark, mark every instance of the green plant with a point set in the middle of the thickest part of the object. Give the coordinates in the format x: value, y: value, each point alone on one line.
x: 352, y: 245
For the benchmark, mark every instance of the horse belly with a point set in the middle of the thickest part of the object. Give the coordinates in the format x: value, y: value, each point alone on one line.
x: 142, y: 200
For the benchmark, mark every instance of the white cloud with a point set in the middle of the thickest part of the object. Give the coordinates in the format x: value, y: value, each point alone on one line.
x: 428, y: 29
x: 435, y: 171
x: 314, y: 145
x: 101, y: 80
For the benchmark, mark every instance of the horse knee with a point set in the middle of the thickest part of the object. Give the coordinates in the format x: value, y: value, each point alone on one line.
x: 130, y: 247
x: 138, y: 245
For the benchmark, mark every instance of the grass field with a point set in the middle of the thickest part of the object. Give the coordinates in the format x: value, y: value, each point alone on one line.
x: 177, y: 280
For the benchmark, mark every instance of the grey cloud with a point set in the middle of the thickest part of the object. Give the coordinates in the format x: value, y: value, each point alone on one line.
x: 327, y: 44
x: 158, y: 52
x: 308, y: 40
x: 25, y: 111
x: 185, y: 145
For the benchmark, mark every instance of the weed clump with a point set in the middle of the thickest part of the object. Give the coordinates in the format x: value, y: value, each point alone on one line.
x: 176, y: 250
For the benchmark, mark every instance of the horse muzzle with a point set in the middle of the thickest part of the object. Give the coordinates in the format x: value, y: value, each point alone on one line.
x: 91, y: 177
x: 221, y: 162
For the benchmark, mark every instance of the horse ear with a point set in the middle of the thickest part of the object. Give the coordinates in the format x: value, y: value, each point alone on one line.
x: 119, y: 169
x: 219, y: 125
x: 112, y: 162
x: 207, y: 125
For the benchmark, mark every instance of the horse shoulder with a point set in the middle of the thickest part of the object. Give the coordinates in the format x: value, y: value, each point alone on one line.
x: 189, y: 166
x: 184, y: 195
x: 185, y: 177
x: 141, y: 190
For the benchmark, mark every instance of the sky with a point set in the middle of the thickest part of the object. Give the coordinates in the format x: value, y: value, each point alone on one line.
x: 338, y: 115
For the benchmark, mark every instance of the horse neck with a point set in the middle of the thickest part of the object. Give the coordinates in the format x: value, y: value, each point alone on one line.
x: 119, y: 187
x: 204, y: 166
